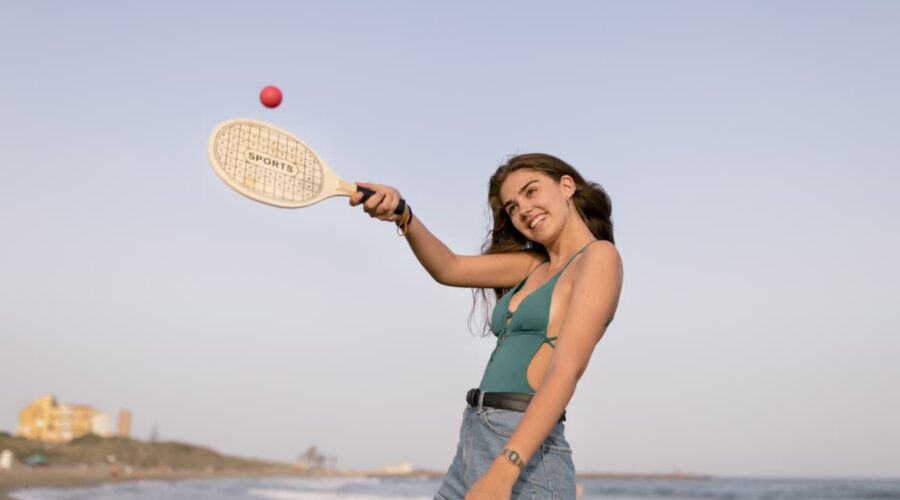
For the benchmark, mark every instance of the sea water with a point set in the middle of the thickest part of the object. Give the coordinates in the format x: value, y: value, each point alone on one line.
x: 294, y: 488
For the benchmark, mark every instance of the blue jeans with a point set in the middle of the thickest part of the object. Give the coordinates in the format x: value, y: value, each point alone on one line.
x: 550, y: 474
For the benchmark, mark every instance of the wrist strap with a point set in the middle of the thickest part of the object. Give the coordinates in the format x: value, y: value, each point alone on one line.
x: 403, y: 226
x: 513, y: 456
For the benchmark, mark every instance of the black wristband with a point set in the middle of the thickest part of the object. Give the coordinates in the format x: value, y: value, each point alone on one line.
x: 402, y: 227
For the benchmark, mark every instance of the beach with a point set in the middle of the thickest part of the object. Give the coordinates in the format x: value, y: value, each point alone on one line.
x: 84, y: 476
x: 222, y: 487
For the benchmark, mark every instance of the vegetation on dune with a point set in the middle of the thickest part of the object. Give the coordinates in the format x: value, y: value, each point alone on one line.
x: 93, y: 449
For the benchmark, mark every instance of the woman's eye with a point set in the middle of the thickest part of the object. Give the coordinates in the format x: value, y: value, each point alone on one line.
x: 530, y: 191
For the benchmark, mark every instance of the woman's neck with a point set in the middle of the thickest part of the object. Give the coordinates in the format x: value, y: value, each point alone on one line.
x: 573, y: 237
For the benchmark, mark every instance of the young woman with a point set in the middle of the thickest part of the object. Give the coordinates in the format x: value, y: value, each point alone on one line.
x: 552, y: 263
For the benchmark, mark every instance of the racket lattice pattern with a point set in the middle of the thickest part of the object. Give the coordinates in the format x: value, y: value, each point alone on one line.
x: 269, y: 162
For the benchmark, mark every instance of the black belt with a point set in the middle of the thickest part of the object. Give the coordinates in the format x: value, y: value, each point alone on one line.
x: 515, y: 401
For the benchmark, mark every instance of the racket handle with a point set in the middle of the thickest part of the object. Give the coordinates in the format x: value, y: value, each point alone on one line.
x: 367, y: 193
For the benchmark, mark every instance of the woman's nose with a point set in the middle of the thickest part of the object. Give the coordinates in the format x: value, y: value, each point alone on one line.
x: 525, y: 210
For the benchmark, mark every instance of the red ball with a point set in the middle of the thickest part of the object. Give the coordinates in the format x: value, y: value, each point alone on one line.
x: 270, y: 96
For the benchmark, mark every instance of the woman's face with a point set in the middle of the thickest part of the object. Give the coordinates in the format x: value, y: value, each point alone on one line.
x: 536, y: 204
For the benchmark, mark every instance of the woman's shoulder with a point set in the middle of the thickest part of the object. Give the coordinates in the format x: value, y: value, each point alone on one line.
x: 599, y: 258
x: 601, y: 247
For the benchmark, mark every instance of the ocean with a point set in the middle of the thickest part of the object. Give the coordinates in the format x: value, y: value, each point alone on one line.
x: 293, y: 488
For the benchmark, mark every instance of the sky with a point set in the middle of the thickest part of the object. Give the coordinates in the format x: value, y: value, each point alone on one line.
x: 749, y: 147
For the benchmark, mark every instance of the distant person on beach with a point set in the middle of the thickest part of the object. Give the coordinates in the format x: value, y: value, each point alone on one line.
x: 551, y: 262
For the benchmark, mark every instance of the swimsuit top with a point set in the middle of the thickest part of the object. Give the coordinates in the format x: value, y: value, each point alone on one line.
x: 520, y: 334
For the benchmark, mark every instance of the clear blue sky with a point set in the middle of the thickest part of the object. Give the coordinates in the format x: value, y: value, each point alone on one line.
x: 750, y: 149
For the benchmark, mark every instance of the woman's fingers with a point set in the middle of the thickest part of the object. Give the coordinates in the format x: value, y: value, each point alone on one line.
x: 381, y: 204
x: 371, y: 205
x: 356, y: 198
x: 384, y: 208
x: 395, y: 202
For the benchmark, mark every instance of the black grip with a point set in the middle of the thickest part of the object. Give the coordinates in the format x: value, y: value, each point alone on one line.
x: 368, y: 193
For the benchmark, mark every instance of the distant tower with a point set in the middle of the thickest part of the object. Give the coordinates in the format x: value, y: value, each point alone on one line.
x: 124, y: 424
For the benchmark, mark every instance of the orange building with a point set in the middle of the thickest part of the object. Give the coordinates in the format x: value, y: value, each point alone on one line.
x: 124, y: 424
x: 49, y: 421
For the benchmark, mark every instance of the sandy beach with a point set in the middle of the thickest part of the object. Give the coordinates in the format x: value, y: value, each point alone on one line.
x: 76, y: 476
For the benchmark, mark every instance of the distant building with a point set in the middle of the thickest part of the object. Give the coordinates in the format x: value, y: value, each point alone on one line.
x: 6, y: 459
x: 124, y: 429
x: 396, y: 470
x: 101, y: 425
x: 51, y: 422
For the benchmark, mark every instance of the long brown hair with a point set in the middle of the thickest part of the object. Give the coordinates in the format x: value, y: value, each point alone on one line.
x: 591, y: 202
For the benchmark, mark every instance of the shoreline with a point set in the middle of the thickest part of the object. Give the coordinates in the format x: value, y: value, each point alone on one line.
x: 84, y: 477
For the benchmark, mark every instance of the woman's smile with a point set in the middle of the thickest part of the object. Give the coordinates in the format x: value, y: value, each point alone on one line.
x: 535, y: 222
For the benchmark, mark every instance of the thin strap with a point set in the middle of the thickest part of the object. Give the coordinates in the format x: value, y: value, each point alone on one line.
x: 550, y: 340
x: 534, y: 269
x: 576, y: 255
x: 519, y: 286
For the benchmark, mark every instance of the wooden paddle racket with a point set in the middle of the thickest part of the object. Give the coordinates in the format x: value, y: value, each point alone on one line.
x: 273, y: 166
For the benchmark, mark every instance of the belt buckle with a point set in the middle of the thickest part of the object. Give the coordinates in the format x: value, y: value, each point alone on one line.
x: 481, y: 400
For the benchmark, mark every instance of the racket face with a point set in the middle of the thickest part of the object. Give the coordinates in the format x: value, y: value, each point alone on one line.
x: 268, y: 164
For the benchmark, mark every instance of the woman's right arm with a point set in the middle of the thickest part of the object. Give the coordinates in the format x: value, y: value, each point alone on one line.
x: 502, y: 270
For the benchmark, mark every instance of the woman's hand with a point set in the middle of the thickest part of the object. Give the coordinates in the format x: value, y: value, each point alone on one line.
x: 380, y: 205
x: 496, y: 483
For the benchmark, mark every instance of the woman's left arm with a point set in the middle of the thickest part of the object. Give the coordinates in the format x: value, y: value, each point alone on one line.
x: 592, y: 304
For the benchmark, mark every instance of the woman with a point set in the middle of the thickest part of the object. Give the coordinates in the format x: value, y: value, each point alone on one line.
x: 552, y: 262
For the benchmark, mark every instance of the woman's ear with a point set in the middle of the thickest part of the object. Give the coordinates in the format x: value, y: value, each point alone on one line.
x: 567, y: 183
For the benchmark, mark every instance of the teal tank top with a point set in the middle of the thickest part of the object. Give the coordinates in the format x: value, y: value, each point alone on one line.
x: 520, y: 334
